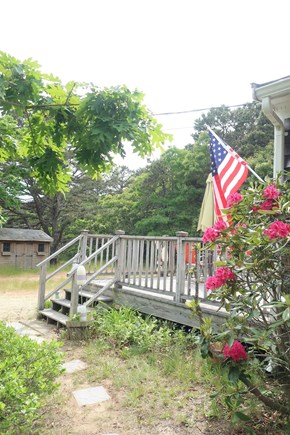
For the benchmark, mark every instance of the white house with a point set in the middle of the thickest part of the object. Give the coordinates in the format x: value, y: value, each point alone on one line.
x: 275, y: 98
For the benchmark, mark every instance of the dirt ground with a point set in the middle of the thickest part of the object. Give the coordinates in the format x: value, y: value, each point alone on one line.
x: 15, y: 306
x: 63, y: 416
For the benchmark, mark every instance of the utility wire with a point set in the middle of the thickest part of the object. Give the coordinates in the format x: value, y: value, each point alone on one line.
x: 43, y: 106
x: 198, y: 110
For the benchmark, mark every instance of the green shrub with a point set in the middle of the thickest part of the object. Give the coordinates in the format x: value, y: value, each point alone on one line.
x: 126, y: 326
x: 27, y: 374
x: 252, y: 283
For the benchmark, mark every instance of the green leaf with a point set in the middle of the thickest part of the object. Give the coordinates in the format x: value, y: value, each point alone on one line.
x: 238, y: 415
x: 234, y: 374
x: 286, y: 315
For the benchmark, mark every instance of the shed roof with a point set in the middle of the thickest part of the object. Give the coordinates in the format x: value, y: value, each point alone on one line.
x: 23, y: 235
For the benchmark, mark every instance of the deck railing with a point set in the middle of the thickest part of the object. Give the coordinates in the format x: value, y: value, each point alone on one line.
x: 172, y: 266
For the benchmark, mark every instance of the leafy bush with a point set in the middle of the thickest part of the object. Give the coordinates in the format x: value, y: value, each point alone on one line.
x: 126, y: 326
x: 27, y: 374
x: 252, y: 282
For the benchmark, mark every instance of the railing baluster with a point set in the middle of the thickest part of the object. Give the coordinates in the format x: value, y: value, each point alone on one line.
x: 141, y: 259
x: 147, y: 262
x: 180, y: 271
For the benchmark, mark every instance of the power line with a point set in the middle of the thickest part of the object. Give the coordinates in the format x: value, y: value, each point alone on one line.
x: 181, y: 112
x: 199, y: 110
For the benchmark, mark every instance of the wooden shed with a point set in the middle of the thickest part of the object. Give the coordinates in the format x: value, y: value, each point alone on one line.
x: 23, y: 248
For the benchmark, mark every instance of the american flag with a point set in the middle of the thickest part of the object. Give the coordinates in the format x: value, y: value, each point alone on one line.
x: 228, y: 169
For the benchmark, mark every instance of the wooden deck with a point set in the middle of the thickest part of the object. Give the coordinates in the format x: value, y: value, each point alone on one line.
x: 155, y: 275
x: 163, y: 304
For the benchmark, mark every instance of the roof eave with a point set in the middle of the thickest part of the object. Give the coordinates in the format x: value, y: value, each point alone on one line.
x: 274, y: 89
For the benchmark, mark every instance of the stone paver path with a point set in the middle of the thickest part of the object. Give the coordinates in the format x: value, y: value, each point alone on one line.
x: 90, y: 396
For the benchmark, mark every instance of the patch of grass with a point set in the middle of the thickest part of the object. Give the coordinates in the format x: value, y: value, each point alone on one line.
x: 159, y: 373
x: 15, y: 279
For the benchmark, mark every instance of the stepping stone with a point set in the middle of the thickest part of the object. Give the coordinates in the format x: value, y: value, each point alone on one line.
x: 16, y: 325
x: 22, y: 330
x: 90, y: 396
x: 74, y: 366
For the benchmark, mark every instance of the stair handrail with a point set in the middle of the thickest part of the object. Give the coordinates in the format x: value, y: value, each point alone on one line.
x: 59, y: 251
x: 43, y: 269
x: 76, y: 288
x: 94, y: 254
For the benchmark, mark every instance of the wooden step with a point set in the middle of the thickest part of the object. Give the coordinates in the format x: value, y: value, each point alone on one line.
x: 58, y: 317
x: 66, y: 303
x: 87, y: 294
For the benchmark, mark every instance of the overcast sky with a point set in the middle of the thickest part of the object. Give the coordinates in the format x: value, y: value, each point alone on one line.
x: 183, y: 54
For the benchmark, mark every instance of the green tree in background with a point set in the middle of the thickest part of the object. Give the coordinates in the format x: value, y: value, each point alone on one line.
x: 63, y: 217
x: 246, y: 129
x: 43, y: 121
x: 163, y: 198
x: 56, y: 140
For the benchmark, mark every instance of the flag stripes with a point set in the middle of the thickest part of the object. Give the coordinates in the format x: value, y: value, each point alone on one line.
x: 228, y: 169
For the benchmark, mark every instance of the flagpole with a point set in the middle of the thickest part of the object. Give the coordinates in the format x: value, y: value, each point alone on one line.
x: 225, y: 147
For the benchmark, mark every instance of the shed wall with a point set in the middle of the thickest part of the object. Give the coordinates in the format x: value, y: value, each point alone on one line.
x: 24, y: 255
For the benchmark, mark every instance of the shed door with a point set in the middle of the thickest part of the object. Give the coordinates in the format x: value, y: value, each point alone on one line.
x: 23, y: 255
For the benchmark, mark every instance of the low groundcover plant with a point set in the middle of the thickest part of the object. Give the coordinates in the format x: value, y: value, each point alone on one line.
x: 252, y: 282
x: 28, y: 373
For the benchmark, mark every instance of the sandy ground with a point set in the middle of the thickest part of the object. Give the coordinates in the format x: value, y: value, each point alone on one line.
x: 20, y: 306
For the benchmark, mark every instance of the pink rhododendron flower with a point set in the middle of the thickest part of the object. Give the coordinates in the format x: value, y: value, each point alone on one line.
x: 220, y: 225
x: 271, y: 192
x: 210, y: 235
x: 277, y: 229
x: 236, y: 351
x: 241, y: 225
x: 224, y: 274
x: 266, y: 205
x: 255, y: 208
x: 234, y: 198
x: 213, y: 283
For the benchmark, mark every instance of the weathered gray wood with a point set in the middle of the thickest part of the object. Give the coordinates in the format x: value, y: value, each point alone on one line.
x: 147, y: 261
x: 74, y: 297
x: 152, y: 265
x: 42, y: 282
x: 62, y: 267
x: 78, y: 330
x: 90, y: 253
x: 141, y: 261
x: 122, y: 258
x: 87, y: 294
x: 165, y: 309
x: 152, y: 261
x: 180, y: 266
x: 129, y: 258
x: 58, y: 288
x: 119, y: 247
x: 55, y: 254
x: 164, y: 255
x: 99, y: 292
x: 54, y: 315
x: 83, y: 245
x: 135, y: 259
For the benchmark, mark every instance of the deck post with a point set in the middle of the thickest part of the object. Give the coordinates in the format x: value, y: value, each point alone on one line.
x: 83, y: 245
x: 74, y: 297
x: 42, y: 282
x: 120, y: 254
x: 180, y: 265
